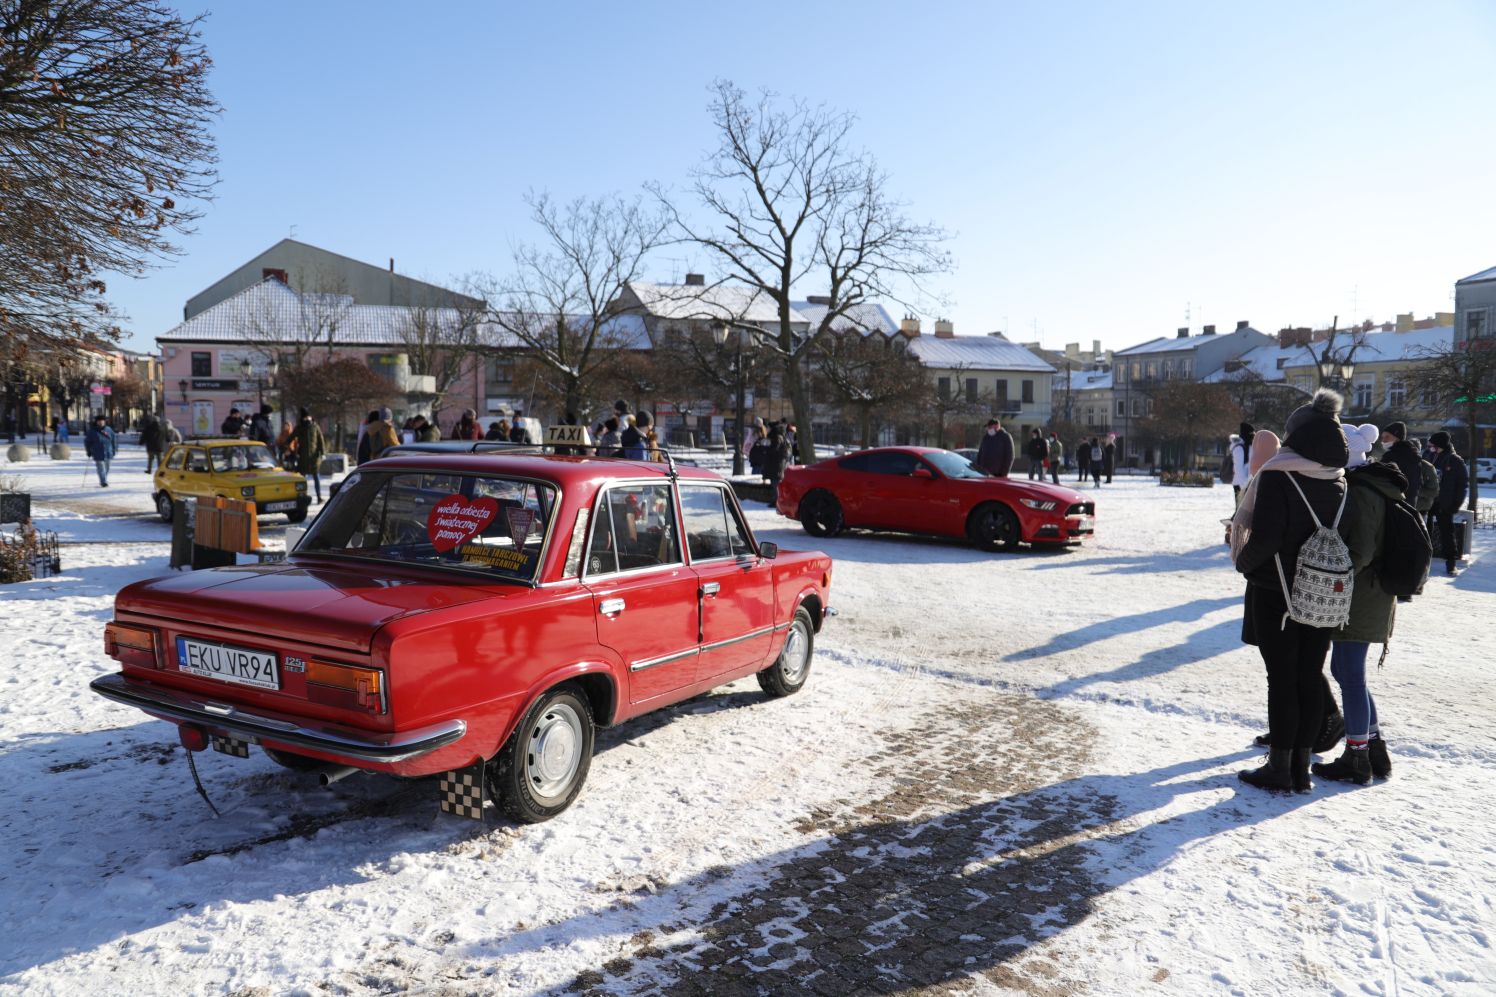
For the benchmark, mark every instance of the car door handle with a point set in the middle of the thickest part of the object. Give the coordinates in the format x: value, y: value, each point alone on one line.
x: 711, y: 588
x: 610, y: 607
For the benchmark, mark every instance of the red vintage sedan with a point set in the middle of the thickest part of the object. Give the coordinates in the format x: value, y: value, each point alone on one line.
x: 924, y: 490
x: 476, y: 616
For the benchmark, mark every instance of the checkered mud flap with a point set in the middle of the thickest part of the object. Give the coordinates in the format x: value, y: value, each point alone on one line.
x: 464, y: 792
x: 231, y: 746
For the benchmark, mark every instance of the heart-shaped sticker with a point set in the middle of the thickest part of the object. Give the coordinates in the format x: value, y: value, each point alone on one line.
x: 456, y: 519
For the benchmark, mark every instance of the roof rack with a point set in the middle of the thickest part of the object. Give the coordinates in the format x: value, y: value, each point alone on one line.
x: 540, y: 449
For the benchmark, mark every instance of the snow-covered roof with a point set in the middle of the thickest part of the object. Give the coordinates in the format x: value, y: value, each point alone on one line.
x: 867, y: 317
x: 1270, y: 361
x: 685, y: 302
x: 1090, y: 380
x: 1476, y: 278
x: 1170, y: 344
x: 978, y: 352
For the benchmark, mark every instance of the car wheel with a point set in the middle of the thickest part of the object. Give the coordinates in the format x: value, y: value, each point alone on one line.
x: 296, y: 763
x: 541, y: 769
x: 993, y: 527
x: 299, y: 516
x: 786, y: 675
x: 821, y: 514
x: 163, y: 506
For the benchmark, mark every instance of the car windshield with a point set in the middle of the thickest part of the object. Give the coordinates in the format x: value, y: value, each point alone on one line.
x: 254, y: 457
x: 953, y: 465
x: 469, y: 522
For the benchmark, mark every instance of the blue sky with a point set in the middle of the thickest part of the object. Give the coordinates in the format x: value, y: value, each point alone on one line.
x: 1103, y: 167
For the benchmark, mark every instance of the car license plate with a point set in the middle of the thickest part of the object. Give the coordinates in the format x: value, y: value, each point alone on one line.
x: 1086, y: 523
x: 279, y: 506
x: 228, y: 663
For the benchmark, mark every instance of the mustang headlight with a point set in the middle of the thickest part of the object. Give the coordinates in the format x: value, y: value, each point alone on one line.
x: 248, y: 491
x: 1043, y: 505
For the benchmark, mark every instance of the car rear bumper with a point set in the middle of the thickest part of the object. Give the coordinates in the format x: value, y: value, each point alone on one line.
x: 366, y: 746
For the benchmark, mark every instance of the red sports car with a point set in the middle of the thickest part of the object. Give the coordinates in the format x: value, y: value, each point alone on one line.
x: 924, y: 490
x: 477, y: 615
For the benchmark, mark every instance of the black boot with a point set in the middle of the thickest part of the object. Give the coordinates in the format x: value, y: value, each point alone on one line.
x: 1272, y: 775
x: 1381, y: 764
x: 1351, y: 766
x: 1299, y: 770
x: 1331, y: 733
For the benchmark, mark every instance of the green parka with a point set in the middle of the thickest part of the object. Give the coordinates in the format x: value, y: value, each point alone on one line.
x: 1372, y: 486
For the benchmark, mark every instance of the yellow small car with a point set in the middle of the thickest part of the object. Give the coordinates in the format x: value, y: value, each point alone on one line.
x: 236, y: 469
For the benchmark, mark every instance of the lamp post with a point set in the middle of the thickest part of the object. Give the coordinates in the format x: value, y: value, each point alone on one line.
x: 720, y: 331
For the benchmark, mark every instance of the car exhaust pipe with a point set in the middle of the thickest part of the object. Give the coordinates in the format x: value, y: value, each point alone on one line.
x: 333, y: 773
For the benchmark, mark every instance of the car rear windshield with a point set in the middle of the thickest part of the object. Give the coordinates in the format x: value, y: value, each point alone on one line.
x: 493, y: 525
x: 953, y: 465
x: 254, y: 457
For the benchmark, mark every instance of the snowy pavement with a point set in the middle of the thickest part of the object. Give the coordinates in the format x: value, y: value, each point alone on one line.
x: 1008, y: 774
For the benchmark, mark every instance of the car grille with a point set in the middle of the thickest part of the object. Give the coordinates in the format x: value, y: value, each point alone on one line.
x: 1082, y: 509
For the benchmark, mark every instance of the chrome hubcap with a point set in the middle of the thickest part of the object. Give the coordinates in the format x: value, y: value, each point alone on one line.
x: 555, y: 751
x: 796, y: 654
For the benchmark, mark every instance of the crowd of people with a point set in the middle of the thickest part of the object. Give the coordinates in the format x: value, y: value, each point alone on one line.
x: 1095, y: 457
x: 1331, y: 531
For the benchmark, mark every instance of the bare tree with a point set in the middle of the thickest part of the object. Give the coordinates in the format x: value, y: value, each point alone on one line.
x: 1460, y: 377
x: 291, y: 327
x: 1185, y: 411
x: 952, y: 399
x: 337, y: 390
x: 104, y: 113
x: 444, y: 342
x: 870, y: 375
x: 559, y: 305
x: 790, y: 201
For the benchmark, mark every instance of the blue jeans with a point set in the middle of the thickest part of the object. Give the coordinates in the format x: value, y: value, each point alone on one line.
x: 102, y: 466
x: 1348, y: 665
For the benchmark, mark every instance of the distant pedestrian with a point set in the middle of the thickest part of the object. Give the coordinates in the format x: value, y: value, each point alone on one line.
x: 497, y: 430
x: 101, y: 445
x: 1083, y: 459
x: 170, y: 435
x: 259, y: 426
x: 311, y: 447
x: 381, y: 435
x: 1402, y: 453
x: 1056, y: 456
x: 1098, y: 455
x: 233, y: 425
x: 61, y: 429
x: 153, y: 438
x: 1239, y: 447
x: 776, y: 456
x: 1454, y: 485
x: 995, y: 454
x: 466, y: 427
x: 361, y: 451
x: 426, y: 430
x: 608, y: 443
x: 1037, y: 452
x: 517, y: 431
x: 636, y: 438
x: 1109, y: 456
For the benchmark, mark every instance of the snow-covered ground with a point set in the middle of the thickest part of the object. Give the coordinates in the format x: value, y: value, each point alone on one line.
x: 1008, y: 773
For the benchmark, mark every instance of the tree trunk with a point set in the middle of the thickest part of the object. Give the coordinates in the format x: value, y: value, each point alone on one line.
x: 865, y: 417
x: 800, y: 403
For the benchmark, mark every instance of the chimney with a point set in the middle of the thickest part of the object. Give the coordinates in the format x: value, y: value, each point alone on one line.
x: 695, y: 280
x: 944, y: 329
x: 1183, y: 333
x: 1404, y: 321
x: 818, y: 299
x: 1208, y: 330
x: 392, y: 264
x: 1072, y: 351
x: 1241, y: 324
x: 1095, y: 349
x: 909, y: 325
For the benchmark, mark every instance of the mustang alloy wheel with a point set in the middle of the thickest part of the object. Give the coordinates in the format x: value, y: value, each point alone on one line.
x: 789, y: 672
x: 541, y: 769
x: 993, y: 527
x: 821, y: 514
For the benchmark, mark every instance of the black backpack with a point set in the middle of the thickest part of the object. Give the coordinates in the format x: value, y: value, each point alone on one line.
x: 1228, y: 468
x: 1403, y: 567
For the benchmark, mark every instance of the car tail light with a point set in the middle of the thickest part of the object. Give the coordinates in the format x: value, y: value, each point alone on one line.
x: 132, y: 645
x: 345, y: 685
x: 192, y: 738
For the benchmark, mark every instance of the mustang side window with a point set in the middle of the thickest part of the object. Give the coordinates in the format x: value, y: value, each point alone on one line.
x: 712, y: 526
x: 633, y: 526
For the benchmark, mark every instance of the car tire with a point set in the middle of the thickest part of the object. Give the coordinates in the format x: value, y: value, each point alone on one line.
x: 299, y: 516
x: 296, y: 763
x: 163, y: 506
x: 821, y: 514
x: 993, y: 526
x: 542, y: 767
x: 787, y: 675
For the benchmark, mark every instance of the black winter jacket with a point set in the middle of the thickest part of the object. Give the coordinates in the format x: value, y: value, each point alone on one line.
x: 1409, y: 463
x: 1454, y: 483
x: 1281, y: 523
x: 1037, y: 449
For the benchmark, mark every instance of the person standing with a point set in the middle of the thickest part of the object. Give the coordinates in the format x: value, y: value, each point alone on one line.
x: 466, y: 427
x: 995, y: 455
x: 1109, y: 456
x: 1372, y: 486
x: 1304, y: 484
x: 382, y: 435
x: 517, y: 431
x: 1240, y: 449
x: 1056, y: 456
x: 1083, y: 459
x: 1454, y: 484
x: 1097, y: 456
x: 1037, y: 452
x: 609, y: 444
x: 101, y: 445
x: 497, y: 431
x: 153, y: 438
x: 631, y: 439
x: 361, y: 452
x: 426, y: 431
x: 776, y: 456
x: 310, y: 446
x: 233, y: 425
x: 259, y: 426
x: 1402, y: 453
x: 60, y: 428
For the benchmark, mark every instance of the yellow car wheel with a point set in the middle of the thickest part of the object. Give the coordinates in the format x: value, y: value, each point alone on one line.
x: 163, y: 505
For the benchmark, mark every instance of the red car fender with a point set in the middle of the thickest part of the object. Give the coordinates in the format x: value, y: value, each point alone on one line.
x: 602, y: 693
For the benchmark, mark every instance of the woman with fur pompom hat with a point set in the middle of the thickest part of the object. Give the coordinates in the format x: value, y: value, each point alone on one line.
x: 1307, y: 474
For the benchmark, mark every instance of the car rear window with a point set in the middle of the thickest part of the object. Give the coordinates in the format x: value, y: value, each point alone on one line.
x: 493, y: 525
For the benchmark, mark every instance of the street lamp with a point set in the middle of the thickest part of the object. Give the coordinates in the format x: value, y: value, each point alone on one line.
x: 720, y: 331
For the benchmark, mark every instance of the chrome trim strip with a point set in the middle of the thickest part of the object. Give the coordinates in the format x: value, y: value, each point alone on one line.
x: 760, y: 632
x: 364, y: 746
x: 781, y: 626
x: 639, y: 666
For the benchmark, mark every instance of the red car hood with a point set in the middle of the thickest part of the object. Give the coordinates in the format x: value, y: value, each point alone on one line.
x: 1033, y: 489
x: 335, y: 607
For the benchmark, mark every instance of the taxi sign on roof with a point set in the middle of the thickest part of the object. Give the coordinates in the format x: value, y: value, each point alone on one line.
x: 567, y: 436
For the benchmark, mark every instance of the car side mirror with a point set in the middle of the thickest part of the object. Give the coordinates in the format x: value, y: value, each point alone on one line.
x: 768, y: 550
x: 923, y: 473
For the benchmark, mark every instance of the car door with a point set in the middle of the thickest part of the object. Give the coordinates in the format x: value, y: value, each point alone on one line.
x: 891, y: 495
x: 193, y: 480
x: 736, y: 586
x: 644, y: 596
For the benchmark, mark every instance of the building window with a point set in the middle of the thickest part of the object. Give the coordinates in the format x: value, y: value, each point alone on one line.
x: 1136, y: 407
x: 202, y: 365
x: 1137, y: 370
x: 1397, y: 393
x: 1000, y: 393
x: 971, y: 389
x: 1121, y: 408
x: 500, y: 373
x: 1028, y: 392
x: 1428, y: 397
x: 943, y: 384
x: 1148, y: 406
x: 1363, y: 389
x: 1475, y: 324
